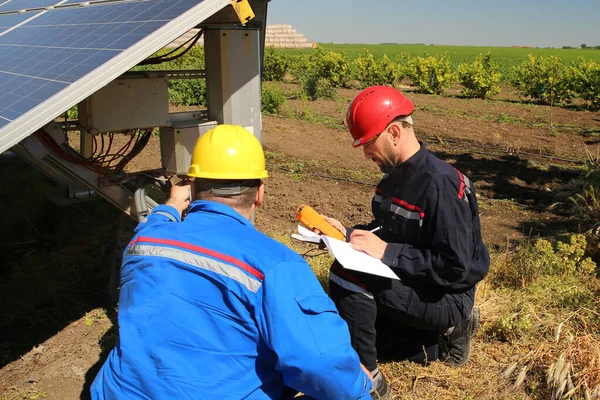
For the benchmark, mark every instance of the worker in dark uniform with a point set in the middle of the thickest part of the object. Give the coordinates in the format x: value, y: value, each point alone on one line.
x: 429, y: 235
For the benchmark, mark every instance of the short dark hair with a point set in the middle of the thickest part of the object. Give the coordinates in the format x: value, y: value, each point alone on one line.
x: 236, y: 194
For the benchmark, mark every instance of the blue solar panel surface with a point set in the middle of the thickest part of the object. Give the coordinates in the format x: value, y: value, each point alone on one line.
x: 10, y: 20
x: 17, y: 5
x: 60, y: 46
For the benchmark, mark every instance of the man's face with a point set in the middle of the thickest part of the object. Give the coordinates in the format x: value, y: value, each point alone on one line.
x: 381, y: 151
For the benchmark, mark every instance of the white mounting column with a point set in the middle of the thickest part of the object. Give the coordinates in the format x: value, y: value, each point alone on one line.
x: 233, y: 64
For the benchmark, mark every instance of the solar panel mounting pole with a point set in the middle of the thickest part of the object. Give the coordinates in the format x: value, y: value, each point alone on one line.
x: 233, y: 57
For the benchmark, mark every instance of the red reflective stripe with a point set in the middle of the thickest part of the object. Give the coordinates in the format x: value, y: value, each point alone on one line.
x: 338, y: 271
x: 377, y: 190
x: 409, y: 206
x: 202, y: 250
x: 461, y: 191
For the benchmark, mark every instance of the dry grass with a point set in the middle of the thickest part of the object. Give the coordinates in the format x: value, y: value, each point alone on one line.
x: 540, y: 340
x: 481, y: 378
x: 554, y: 326
x: 576, y: 372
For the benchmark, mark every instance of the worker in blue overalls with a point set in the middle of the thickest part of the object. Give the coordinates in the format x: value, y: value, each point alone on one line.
x: 210, y: 308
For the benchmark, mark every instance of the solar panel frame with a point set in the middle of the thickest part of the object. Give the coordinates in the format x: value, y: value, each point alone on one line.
x: 70, y: 89
x: 19, y: 5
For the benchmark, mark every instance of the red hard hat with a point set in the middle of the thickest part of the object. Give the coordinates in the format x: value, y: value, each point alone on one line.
x: 373, y: 109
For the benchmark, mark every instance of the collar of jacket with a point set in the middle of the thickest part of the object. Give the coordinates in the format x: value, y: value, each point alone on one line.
x: 414, y: 161
x: 200, y: 206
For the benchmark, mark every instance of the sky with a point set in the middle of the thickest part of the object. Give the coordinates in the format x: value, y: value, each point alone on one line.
x: 536, y: 23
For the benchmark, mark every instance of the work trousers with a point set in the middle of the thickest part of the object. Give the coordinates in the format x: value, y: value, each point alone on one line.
x: 402, y: 322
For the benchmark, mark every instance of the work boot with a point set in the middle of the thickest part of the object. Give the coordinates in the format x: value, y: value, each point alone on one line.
x: 455, y: 345
x: 380, y: 389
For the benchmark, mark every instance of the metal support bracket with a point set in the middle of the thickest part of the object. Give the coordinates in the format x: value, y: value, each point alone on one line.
x: 67, y: 173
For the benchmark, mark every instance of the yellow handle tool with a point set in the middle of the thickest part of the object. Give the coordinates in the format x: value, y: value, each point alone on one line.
x: 313, y: 219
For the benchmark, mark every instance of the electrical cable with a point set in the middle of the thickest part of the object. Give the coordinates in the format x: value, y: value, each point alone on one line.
x: 163, y: 58
x: 94, y: 145
x: 108, y: 166
x: 116, y: 155
x: 322, y: 253
x: 139, y: 199
x: 139, y: 145
x: 196, y: 36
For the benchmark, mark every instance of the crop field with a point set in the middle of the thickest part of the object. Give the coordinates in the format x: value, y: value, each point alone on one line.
x: 506, y: 57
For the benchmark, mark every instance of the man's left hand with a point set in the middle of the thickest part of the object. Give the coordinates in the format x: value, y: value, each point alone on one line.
x: 180, y: 196
x: 367, y: 242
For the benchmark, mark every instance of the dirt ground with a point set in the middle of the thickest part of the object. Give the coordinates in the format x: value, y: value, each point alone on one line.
x: 501, y: 145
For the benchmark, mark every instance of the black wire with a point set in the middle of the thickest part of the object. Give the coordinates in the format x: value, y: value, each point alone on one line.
x: 305, y: 254
x: 164, y: 58
x: 99, y: 163
x: 137, y: 148
x: 181, y: 45
x: 94, y: 145
x: 101, y: 145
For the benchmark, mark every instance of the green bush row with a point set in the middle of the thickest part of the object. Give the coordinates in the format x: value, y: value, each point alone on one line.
x: 546, y: 80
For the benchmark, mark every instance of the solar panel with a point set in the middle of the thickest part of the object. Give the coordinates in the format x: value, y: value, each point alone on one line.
x: 59, y: 56
x: 19, y: 5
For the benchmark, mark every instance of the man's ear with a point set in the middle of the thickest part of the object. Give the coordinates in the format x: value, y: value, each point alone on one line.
x: 260, y: 195
x: 395, y: 130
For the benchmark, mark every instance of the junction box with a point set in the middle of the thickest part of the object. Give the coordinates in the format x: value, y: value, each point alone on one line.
x: 178, y: 140
x: 125, y: 104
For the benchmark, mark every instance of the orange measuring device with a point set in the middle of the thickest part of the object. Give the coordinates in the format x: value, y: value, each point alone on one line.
x: 313, y: 219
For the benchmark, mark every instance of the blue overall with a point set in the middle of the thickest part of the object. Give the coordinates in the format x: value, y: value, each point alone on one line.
x: 210, y: 308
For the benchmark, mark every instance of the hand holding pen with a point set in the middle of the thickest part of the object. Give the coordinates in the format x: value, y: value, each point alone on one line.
x: 368, y: 242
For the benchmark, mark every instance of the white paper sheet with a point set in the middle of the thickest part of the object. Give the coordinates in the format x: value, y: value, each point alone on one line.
x: 357, y: 260
x: 306, y: 235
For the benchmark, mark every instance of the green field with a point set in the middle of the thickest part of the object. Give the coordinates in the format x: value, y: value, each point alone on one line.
x: 505, y: 57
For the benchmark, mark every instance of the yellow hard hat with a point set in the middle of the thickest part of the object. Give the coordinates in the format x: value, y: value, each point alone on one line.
x: 228, y: 152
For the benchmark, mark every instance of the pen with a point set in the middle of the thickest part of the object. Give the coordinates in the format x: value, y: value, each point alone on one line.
x: 376, y: 229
